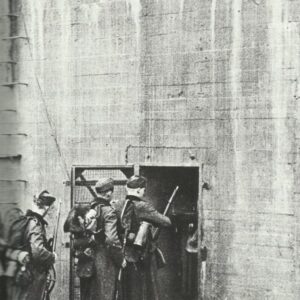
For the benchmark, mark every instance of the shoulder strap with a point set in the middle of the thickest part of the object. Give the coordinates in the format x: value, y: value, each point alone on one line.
x: 124, y: 208
x: 100, y: 222
x: 25, y: 227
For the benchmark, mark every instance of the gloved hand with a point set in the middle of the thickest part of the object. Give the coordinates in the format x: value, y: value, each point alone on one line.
x: 90, y: 216
x: 23, y: 257
x: 17, y: 255
x: 131, y: 237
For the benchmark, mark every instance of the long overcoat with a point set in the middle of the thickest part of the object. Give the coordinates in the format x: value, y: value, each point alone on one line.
x: 139, y: 280
x: 107, y: 256
x: 41, y: 259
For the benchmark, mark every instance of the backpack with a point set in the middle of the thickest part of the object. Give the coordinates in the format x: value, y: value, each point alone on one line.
x: 16, y: 240
x: 17, y: 233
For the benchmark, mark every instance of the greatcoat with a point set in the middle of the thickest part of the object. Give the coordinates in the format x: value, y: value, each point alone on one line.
x: 41, y: 259
x: 107, y: 255
x: 139, y: 280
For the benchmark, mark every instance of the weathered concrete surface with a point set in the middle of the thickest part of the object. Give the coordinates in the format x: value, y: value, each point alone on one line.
x: 181, y: 82
x: 13, y: 183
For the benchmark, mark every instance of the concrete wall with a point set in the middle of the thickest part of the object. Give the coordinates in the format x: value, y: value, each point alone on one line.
x: 13, y: 181
x: 254, y: 212
x: 208, y: 83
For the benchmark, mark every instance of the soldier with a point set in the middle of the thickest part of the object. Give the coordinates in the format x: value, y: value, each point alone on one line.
x: 104, y: 245
x: 28, y: 235
x: 139, y: 277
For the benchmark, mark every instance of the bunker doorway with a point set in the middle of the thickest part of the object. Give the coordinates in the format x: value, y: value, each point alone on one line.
x: 178, y: 280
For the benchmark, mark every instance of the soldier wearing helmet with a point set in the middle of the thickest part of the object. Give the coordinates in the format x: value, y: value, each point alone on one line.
x: 137, y: 216
x: 97, y: 268
x: 27, y: 281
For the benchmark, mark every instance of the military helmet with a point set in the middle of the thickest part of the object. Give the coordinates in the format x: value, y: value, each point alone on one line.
x: 104, y: 185
x: 45, y: 198
x: 135, y: 182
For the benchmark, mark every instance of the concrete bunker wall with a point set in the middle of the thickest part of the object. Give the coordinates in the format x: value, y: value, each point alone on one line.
x: 213, y: 84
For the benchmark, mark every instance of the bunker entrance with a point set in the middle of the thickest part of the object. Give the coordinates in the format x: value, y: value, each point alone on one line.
x: 178, y: 280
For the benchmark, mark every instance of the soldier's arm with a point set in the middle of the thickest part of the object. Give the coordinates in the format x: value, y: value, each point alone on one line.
x: 36, y: 240
x: 111, y: 235
x: 148, y: 213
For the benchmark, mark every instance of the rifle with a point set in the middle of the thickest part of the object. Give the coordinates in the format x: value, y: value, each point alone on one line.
x: 51, y: 274
x: 156, y: 232
x: 160, y: 259
x: 118, y: 287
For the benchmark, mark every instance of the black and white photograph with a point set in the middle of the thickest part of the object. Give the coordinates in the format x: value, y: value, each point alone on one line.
x: 149, y: 149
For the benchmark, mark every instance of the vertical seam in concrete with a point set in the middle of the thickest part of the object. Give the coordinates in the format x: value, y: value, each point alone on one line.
x: 181, y: 8
x: 212, y: 44
x: 135, y: 7
x: 237, y: 125
x: 278, y: 100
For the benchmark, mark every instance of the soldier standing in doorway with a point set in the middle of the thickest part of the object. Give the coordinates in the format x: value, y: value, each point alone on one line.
x: 139, y: 277
x: 98, y: 249
x: 30, y: 259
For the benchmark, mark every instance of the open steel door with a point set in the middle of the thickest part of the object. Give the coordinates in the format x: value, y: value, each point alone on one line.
x: 83, y: 180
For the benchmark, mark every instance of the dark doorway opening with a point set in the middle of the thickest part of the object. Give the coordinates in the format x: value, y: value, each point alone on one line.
x: 178, y: 280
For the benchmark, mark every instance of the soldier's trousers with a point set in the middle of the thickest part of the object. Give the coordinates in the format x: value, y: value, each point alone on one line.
x: 140, y: 281
x: 34, y: 291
